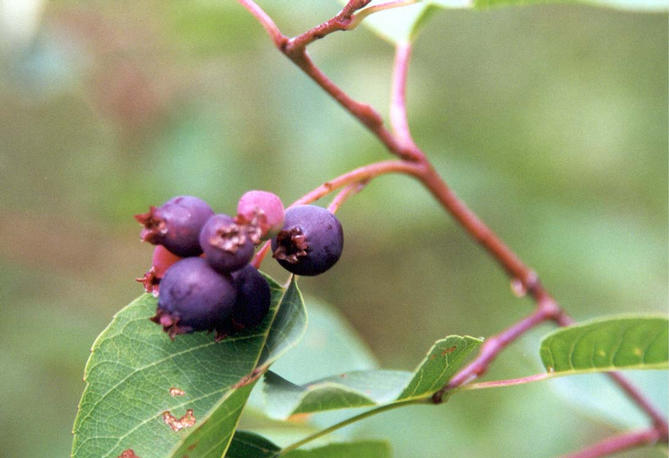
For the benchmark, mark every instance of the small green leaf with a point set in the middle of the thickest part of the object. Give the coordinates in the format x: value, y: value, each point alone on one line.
x: 403, y: 24
x: 608, y: 344
x: 246, y: 444
x: 136, y: 377
x: 369, y: 387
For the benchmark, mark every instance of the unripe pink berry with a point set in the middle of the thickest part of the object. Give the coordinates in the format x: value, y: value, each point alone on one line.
x: 263, y: 210
x: 162, y: 260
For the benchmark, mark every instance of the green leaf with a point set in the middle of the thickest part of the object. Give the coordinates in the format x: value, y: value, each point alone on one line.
x: 134, y: 367
x: 403, y: 24
x: 369, y: 387
x: 607, y: 344
x: 328, y: 334
x: 246, y: 444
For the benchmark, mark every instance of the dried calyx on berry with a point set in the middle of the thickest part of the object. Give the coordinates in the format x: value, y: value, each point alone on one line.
x: 162, y: 260
x: 194, y: 297
x: 226, y: 244
x: 310, y: 242
x: 261, y: 210
x: 176, y: 224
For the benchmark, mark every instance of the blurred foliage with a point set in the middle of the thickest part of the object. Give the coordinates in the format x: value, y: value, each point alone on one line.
x: 550, y: 121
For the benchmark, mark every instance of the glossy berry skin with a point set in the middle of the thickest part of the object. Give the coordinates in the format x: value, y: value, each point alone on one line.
x: 176, y: 224
x: 162, y: 260
x: 253, y: 298
x: 194, y: 297
x: 263, y: 210
x: 226, y: 244
x: 310, y: 242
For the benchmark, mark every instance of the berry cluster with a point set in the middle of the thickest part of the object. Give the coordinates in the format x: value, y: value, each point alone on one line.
x: 200, y: 269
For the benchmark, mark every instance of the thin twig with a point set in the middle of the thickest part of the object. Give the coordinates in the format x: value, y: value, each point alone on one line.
x: 341, y: 21
x: 345, y: 194
x: 615, y: 444
x: 360, y: 175
x: 506, y: 382
x: 275, y: 34
x: 363, y: 13
x: 398, y: 105
x: 369, y: 117
x: 347, y: 422
x: 492, y: 347
x: 362, y: 111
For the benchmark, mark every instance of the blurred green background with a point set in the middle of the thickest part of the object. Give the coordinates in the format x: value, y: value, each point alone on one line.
x: 551, y: 122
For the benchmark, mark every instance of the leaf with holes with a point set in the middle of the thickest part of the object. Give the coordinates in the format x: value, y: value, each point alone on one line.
x: 370, y: 387
x: 630, y: 342
x: 147, y: 393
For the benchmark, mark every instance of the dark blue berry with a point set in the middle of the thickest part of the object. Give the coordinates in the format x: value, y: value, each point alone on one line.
x: 176, y: 224
x: 194, y: 297
x: 310, y: 242
x: 226, y: 244
x: 253, y: 298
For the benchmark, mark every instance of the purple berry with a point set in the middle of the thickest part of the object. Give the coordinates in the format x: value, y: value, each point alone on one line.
x: 262, y: 210
x: 226, y: 244
x: 253, y: 298
x: 193, y: 297
x: 176, y: 224
x: 310, y: 242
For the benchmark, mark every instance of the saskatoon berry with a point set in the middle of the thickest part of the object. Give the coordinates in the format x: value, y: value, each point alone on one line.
x: 310, y: 242
x: 253, y: 298
x: 263, y: 210
x: 162, y: 260
x: 226, y: 244
x: 176, y: 224
x: 193, y: 297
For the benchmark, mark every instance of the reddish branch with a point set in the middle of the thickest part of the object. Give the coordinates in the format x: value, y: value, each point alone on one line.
x: 341, y: 21
x: 354, y: 177
x: 345, y: 194
x: 415, y: 163
x: 615, y: 444
x: 495, y: 344
x: 398, y: 111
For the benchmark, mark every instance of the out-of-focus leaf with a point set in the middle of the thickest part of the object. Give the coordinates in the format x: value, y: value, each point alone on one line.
x: 631, y: 342
x: 329, y: 346
x: 403, y: 24
x: 600, y: 398
x: 136, y: 376
x: 369, y: 388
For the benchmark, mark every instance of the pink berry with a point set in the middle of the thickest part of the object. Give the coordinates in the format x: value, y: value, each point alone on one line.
x: 162, y: 260
x: 263, y: 210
